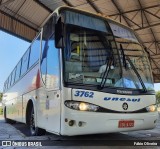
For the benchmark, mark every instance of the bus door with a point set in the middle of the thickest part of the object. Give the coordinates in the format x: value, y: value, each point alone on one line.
x: 50, y: 74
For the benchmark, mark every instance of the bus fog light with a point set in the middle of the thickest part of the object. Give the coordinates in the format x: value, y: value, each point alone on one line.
x: 66, y: 120
x: 151, y: 108
x: 80, y: 124
x: 71, y: 123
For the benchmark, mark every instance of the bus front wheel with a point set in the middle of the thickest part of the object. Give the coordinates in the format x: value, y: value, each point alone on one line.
x: 34, y: 131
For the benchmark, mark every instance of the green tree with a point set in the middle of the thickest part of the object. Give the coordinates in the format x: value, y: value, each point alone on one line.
x: 158, y: 96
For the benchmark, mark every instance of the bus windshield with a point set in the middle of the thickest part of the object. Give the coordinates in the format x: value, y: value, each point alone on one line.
x: 102, y: 53
x: 132, y: 56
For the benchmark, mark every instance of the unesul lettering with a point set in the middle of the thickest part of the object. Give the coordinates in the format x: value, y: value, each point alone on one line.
x: 122, y: 99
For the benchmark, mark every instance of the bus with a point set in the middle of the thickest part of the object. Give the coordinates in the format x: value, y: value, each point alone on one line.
x: 84, y: 73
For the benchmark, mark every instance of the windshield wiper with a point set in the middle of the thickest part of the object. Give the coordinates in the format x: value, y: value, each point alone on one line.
x: 109, y: 62
x: 136, y: 72
x: 105, y: 75
x: 124, y: 56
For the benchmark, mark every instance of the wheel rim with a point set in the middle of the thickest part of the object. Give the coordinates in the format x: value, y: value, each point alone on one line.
x: 32, y: 123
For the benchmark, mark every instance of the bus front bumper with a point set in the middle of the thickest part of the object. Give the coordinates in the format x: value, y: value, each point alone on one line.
x: 80, y: 122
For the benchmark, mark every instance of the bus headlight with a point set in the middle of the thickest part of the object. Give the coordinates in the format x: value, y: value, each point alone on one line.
x: 151, y: 108
x: 82, y: 106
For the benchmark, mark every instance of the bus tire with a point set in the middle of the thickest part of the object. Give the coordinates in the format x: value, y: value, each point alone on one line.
x: 6, y: 119
x: 34, y: 131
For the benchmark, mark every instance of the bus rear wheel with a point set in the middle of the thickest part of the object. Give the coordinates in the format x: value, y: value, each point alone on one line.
x: 34, y: 131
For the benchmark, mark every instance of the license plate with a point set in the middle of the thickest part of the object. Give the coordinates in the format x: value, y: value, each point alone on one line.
x: 126, y: 123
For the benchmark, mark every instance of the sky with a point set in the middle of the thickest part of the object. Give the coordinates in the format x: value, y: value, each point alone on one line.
x: 11, y: 50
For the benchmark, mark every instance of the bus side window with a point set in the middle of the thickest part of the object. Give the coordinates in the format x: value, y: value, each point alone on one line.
x: 6, y: 84
x: 13, y: 76
x: 9, y: 80
x: 4, y: 89
x: 50, y: 57
x: 18, y: 71
x: 34, y: 53
x: 52, y: 77
x: 25, y: 62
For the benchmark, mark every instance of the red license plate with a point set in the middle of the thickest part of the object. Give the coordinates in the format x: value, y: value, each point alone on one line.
x: 126, y: 123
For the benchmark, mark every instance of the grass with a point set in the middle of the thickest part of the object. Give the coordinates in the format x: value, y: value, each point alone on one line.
x: 1, y: 110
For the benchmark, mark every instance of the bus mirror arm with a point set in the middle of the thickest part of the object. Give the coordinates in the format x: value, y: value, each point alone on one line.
x: 59, y: 34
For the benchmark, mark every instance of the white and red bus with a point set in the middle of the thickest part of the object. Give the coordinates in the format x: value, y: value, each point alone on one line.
x: 83, y: 74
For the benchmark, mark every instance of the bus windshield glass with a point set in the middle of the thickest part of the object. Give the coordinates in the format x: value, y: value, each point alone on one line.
x: 101, y: 53
x: 132, y: 56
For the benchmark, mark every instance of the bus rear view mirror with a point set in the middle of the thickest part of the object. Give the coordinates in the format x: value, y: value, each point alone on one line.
x: 59, y: 34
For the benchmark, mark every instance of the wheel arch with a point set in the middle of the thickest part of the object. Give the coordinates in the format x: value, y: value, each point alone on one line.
x: 30, y: 104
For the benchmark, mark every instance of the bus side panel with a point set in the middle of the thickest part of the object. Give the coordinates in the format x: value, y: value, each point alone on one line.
x: 48, y: 110
x: 9, y: 107
x: 53, y: 111
x: 9, y: 101
x: 19, y: 108
x: 33, y: 88
x: 41, y: 106
x: 16, y: 107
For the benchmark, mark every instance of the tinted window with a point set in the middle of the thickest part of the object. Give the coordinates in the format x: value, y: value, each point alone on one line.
x: 7, y: 84
x: 5, y: 87
x: 13, y: 76
x: 50, y: 65
x: 47, y: 32
x: 9, y: 80
x: 52, y: 78
x: 18, y: 70
x: 25, y: 62
x: 50, y: 57
x: 34, y: 54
